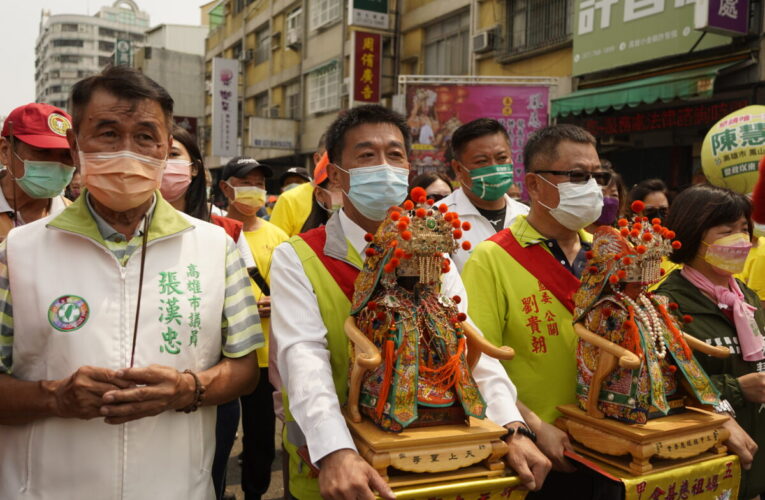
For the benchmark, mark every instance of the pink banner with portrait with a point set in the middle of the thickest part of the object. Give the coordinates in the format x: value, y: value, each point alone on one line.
x: 435, y: 111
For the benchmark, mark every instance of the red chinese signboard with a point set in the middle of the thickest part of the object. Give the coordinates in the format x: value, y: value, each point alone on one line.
x: 692, y: 115
x: 367, y: 66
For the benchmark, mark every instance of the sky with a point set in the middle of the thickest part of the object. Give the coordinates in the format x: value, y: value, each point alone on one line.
x: 20, y: 25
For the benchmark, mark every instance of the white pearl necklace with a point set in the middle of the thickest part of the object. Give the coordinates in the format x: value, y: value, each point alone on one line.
x: 650, y: 319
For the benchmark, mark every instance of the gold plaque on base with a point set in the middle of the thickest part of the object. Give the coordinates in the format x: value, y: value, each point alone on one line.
x: 665, y: 442
x: 427, y: 455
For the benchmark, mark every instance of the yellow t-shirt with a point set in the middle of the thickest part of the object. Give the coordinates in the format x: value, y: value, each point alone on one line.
x: 293, y: 208
x: 754, y: 269
x: 262, y: 243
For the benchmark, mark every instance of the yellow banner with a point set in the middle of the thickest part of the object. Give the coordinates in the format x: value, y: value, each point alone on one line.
x: 477, y: 489
x: 714, y: 479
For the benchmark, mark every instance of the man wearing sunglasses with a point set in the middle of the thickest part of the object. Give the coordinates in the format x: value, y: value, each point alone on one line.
x: 520, y: 283
x: 484, y: 166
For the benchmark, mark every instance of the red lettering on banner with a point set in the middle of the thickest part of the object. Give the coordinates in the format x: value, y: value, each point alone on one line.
x: 685, y: 116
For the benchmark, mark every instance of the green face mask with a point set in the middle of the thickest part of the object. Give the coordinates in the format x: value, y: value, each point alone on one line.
x: 492, y: 182
x: 44, y: 179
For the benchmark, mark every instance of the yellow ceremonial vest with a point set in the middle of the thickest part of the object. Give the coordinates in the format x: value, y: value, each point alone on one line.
x: 512, y: 307
x: 335, y: 309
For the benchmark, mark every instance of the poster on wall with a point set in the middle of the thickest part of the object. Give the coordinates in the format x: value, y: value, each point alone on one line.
x: 225, y: 98
x: 435, y: 111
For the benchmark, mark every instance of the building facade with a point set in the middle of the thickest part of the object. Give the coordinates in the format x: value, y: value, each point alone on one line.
x: 649, y: 85
x: 291, y: 73
x: 296, y: 69
x: 173, y: 56
x: 71, y: 47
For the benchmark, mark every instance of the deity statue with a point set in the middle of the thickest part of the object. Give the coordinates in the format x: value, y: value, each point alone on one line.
x: 634, y: 362
x: 426, y: 346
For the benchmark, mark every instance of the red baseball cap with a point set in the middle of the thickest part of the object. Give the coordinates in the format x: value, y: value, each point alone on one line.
x: 39, y: 125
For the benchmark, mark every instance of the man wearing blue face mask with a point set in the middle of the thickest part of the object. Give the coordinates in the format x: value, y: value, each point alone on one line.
x: 484, y: 166
x: 312, y: 279
x: 520, y: 282
x: 38, y: 165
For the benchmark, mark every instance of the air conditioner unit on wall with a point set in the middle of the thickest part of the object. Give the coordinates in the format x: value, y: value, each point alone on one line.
x: 293, y: 38
x: 484, y: 41
x: 294, y: 26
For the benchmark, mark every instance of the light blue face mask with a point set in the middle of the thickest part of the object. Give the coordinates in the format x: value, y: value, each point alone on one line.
x: 375, y: 189
x: 44, y: 179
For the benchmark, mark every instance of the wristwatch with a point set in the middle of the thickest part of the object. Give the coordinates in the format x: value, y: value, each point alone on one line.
x: 725, y: 407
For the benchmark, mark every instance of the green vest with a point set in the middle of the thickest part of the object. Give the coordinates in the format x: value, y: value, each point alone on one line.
x: 335, y: 309
x: 512, y: 307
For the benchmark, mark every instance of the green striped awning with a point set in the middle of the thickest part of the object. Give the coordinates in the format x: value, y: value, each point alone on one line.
x: 698, y: 82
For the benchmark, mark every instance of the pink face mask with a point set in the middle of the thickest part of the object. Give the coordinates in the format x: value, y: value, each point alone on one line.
x: 120, y: 180
x: 176, y: 179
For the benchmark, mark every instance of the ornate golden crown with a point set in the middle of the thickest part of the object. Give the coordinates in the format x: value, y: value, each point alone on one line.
x: 414, y: 237
x: 637, y: 247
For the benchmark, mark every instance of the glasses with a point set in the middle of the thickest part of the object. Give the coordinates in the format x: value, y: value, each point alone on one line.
x: 580, y: 176
x: 436, y: 197
x: 660, y: 212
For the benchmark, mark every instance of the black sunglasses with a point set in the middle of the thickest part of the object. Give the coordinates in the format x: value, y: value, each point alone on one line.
x: 580, y: 176
x: 436, y: 197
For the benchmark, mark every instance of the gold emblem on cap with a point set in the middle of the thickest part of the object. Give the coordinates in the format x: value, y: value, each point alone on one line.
x: 58, y: 124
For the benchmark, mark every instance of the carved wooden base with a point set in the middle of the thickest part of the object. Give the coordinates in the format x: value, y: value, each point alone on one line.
x: 663, y: 442
x: 432, y: 454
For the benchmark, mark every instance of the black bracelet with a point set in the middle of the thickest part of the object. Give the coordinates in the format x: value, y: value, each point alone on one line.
x: 523, y: 430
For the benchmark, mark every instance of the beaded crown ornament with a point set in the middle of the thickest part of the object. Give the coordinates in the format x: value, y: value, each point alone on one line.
x: 633, y: 252
x: 412, y: 240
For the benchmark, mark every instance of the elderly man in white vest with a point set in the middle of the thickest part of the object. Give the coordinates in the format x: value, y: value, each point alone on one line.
x: 124, y: 322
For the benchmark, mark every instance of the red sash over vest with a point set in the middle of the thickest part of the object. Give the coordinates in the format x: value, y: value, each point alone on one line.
x: 343, y: 273
x: 541, y: 263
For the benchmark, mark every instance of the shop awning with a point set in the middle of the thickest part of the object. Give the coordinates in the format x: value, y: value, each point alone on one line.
x: 697, y: 82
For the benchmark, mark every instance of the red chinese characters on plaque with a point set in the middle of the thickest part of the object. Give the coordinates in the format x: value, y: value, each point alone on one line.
x: 367, y: 66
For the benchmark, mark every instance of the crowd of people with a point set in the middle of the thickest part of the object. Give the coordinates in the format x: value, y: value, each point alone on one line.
x: 141, y: 324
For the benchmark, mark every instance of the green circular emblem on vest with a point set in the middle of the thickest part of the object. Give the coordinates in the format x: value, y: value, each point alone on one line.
x: 68, y: 313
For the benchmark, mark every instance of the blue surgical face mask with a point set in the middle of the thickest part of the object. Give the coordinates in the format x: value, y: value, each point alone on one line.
x: 374, y: 190
x: 44, y: 179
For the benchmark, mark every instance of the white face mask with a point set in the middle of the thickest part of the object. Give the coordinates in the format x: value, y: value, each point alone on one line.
x: 580, y: 204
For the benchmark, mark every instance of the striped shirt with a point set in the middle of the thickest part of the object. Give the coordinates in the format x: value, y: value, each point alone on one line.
x: 240, y: 323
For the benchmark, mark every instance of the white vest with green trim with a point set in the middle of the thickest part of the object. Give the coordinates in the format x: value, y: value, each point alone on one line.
x: 74, y: 305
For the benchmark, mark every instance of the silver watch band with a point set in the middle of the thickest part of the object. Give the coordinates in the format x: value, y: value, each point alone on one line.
x: 725, y: 407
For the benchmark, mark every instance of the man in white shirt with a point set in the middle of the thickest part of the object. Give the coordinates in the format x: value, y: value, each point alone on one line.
x: 312, y: 276
x: 484, y: 166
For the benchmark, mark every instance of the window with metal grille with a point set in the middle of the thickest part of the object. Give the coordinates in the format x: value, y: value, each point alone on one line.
x: 292, y: 91
x: 324, y: 88
x: 261, y: 104
x: 262, y: 44
x: 535, y: 24
x: 67, y: 42
x: 446, y: 46
x: 324, y: 12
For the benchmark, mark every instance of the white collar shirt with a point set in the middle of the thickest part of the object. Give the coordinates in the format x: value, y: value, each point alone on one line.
x: 299, y: 338
x: 481, y: 229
